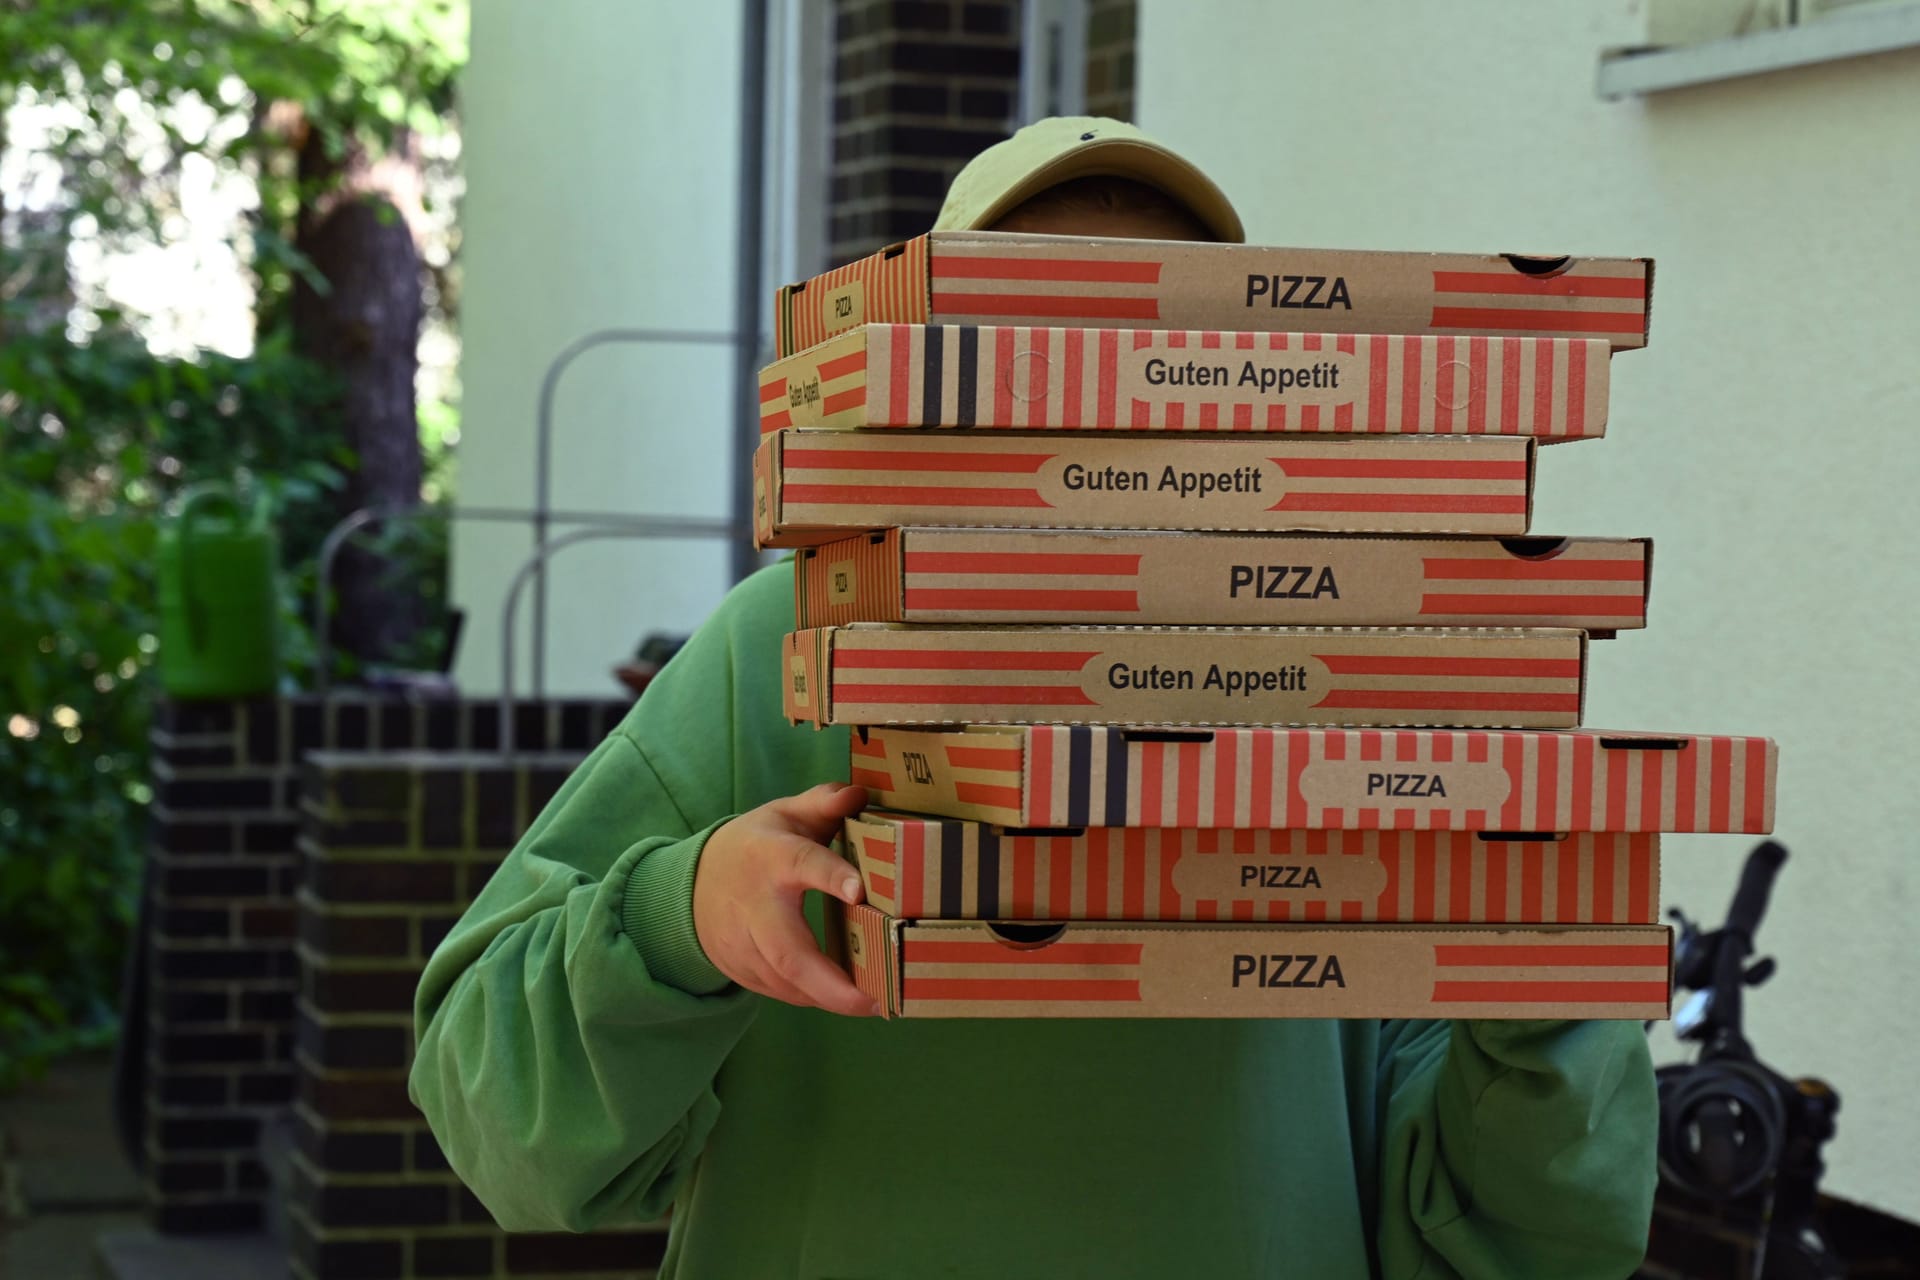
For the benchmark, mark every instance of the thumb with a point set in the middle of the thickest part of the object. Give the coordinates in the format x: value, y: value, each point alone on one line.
x: 817, y: 812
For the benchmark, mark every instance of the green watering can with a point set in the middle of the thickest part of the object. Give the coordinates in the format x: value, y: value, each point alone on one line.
x: 219, y: 631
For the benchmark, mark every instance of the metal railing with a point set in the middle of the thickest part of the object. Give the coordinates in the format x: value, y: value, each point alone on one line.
x: 599, y: 524
x: 543, y: 515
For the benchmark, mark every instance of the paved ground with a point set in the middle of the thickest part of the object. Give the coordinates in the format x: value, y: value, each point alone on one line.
x: 63, y: 1180
x: 70, y: 1204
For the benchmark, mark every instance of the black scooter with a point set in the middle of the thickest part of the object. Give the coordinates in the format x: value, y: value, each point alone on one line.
x: 1734, y: 1131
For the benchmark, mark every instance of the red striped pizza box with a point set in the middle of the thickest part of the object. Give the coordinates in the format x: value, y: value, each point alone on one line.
x: 909, y: 375
x: 939, y: 575
x: 1086, y: 282
x: 1413, y: 779
x: 945, y: 869
x: 1100, y: 969
x: 817, y: 486
x: 872, y: 674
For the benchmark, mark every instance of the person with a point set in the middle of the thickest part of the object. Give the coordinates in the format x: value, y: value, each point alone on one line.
x: 635, y: 1014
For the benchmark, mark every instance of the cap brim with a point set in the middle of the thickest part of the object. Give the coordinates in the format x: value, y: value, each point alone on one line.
x: 1127, y: 158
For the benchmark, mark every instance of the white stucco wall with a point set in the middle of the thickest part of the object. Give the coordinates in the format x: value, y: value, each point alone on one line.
x: 602, y: 159
x: 1765, y: 439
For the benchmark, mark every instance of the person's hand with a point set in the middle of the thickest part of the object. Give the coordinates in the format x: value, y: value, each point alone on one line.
x: 746, y: 897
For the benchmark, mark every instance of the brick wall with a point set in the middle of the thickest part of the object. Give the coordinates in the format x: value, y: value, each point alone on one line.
x: 222, y: 877
x: 394, y: 848
x: 1110, y: 43
x: 920, y: 86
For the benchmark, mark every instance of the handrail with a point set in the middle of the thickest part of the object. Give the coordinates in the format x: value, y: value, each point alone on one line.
x: 355, y: 521
x: 531, y: 566
x: 543, y: 450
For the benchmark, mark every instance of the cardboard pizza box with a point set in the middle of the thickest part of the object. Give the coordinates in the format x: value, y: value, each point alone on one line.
x: 1184, y: 380
x: 991, y: 576
x: 1330, y: 778
x: 877, y: 674
x: 1090, y: 282
x: 1098, y: 969
x: 817, y: 486
x: 947, y: 869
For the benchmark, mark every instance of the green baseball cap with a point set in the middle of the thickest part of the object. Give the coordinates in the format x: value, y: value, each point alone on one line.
x: 1059, y: 149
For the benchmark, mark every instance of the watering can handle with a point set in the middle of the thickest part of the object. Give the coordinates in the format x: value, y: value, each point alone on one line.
x: 202, y: 496
x: 195, y: 501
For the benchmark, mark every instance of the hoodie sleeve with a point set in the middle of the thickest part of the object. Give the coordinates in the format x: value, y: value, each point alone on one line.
x: 1515, y: 1149
x: 570, y: 1028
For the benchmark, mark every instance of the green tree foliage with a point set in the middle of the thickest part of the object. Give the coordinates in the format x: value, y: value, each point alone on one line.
x: 97, y: 431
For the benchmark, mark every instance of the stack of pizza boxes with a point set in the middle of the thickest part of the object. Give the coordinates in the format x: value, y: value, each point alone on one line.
x: 1198, y: 657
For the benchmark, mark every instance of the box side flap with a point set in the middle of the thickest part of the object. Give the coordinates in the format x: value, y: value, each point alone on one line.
x: 874, y: 848
x: 804, y: 693
x: 849, y: 580
x: 819, y: 386
x: 766, y: 491
x: 888, y: 287
x: 977, y: 774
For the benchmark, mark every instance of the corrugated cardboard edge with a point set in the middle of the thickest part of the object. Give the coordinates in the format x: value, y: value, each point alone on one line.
x: 1581, y: 715
x: 1533, y: 472
x: 1646, y: 327
x: 1771, y: 793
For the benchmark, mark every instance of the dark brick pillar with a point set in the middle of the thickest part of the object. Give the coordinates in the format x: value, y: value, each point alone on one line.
x: 222, y: 877
x: 221, y: 970
x: 1110, y: 44
x: 920, y: 86
x: 395, y: 848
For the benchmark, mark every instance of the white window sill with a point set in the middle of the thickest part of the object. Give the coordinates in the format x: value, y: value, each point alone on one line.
x: 1625, y: 73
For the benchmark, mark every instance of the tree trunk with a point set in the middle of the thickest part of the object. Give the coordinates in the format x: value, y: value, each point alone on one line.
x: 366, y: 329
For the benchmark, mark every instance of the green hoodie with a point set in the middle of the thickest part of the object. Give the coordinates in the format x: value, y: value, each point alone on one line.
x: 585, y: 1066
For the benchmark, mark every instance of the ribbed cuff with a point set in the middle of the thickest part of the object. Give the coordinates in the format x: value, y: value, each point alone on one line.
x: 657, y: 914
